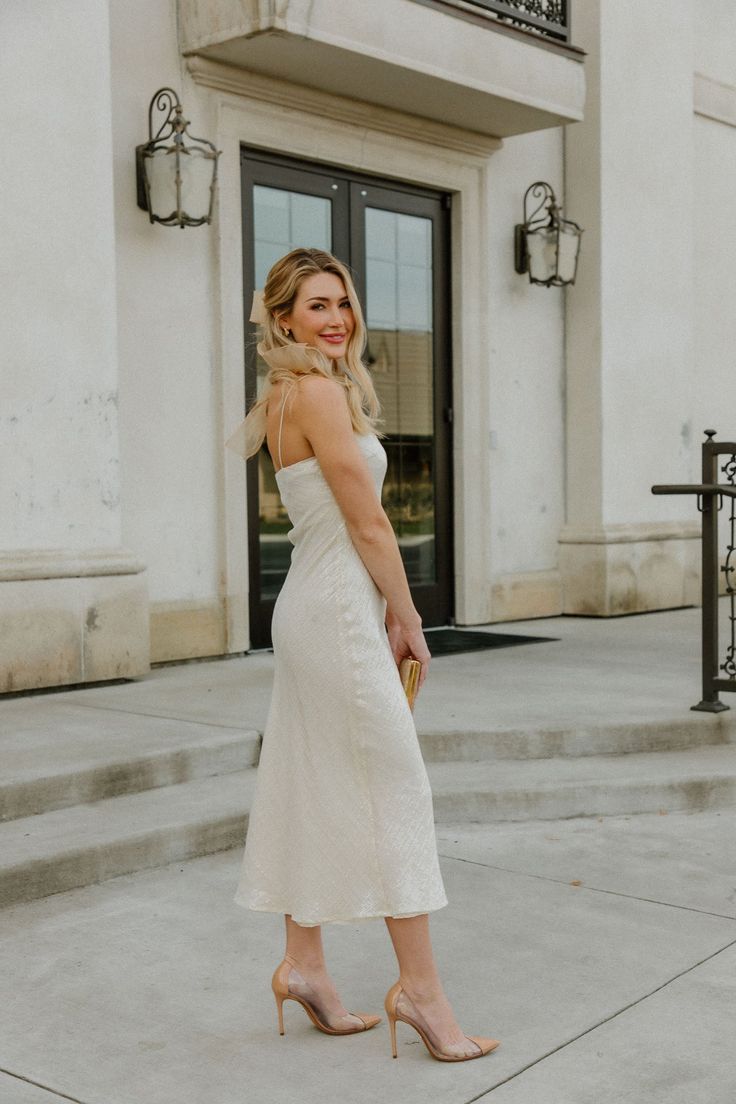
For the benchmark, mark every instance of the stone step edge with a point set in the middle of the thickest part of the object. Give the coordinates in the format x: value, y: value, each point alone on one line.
x: 570, y: 799
x: 580, y: 741
x: 688, y: 761
x: 83, y: 782
x: 85, y: 844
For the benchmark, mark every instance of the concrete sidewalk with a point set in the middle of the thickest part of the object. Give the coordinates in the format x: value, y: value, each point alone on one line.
x: 600, y: 950
x: 155, y: 987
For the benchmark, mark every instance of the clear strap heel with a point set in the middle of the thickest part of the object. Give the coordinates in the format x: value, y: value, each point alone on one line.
x: 398, y: 1007
x: 296, y: 988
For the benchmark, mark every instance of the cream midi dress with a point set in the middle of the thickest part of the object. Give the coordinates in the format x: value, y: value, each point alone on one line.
x: 341, y: 826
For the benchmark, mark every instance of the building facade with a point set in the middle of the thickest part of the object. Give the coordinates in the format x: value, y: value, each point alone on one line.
x: 525, y: 425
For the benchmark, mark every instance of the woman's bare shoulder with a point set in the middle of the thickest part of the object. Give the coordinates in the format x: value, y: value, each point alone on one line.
x: 313, y: 383
x: 318, y: 393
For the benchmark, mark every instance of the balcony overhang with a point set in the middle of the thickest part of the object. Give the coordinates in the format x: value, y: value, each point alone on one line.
x: 399, y: 54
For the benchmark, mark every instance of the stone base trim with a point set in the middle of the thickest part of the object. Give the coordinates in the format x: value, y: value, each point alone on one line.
x: 187, y: 630
x: 526, y: 595
x: 635, y: 568
x: 72, y: 628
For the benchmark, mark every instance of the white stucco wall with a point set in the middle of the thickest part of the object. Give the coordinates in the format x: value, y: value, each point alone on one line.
x: 525, y: 360
x: 630, y: 331
x: 59, y: 482
x: 647, y: 270
x: 168, y: 366
x: 715, y: 39
x: 714, y: 160
x: 715, y: 280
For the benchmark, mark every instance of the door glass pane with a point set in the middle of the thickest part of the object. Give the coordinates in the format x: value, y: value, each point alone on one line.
x: 282, y: 220
x: 400, y: 351
x: 287, y: 220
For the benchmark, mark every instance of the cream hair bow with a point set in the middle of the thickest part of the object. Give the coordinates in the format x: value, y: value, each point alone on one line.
x: 258, y: 312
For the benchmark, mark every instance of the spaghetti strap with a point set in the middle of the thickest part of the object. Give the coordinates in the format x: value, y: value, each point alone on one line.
x: 281, y: 422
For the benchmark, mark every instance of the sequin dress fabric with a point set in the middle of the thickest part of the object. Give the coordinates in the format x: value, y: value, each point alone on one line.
x: 341, y: 826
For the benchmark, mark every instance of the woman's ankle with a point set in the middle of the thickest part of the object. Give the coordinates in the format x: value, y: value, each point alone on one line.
x: 422, y: 988
x: 313, y: 963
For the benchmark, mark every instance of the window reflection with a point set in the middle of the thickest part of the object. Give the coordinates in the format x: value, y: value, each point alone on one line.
x: 399, y: 317
x: 400, y: 347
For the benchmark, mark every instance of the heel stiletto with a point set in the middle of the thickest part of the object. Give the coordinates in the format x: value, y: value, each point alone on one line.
x: 280, y: 986
x: 486, y: 1045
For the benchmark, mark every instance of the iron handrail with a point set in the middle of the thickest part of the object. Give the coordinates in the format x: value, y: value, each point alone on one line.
x: 708, y: 491
x: 694, y: 488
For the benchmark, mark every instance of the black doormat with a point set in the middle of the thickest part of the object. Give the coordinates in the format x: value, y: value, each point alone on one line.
x: 451, y: 641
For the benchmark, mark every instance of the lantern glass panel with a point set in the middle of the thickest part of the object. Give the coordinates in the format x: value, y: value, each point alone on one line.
x: 160, y: 168
x: 196, y: 170
x: 568, y: 255
x: 542, y: 249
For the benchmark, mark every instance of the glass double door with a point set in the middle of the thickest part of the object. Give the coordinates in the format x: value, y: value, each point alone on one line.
x: 395, y: 240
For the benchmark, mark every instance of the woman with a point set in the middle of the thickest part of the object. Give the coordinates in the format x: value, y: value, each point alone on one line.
x: 341, y: 826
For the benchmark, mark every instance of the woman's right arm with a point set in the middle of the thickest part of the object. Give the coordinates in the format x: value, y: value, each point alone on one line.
x: 320, y: 410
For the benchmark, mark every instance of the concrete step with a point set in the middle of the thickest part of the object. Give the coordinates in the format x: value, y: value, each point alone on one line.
x: 86, y: 754
x: 688, y: 731
x: 61, y: 755
x: 86, y: 844
x: 604, y: 785
x: 81, y: 771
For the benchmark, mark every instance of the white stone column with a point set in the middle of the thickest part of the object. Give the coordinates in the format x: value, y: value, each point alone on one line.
x: 630, y: 370
x: 73, y: 601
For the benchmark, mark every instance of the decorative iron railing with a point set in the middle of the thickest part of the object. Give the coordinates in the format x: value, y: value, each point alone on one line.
x: 710, y: 496
x: 549, y: 18
x: 729, y: 571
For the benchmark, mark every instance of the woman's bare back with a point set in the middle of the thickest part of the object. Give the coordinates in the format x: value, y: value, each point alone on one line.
x: 294, y: 445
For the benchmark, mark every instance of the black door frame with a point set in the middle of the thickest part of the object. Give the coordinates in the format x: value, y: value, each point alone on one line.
x: 435, y: 602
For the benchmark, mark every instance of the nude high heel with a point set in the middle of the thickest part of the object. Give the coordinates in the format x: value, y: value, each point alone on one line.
x: 281, y: 991
x: 485, y: 1045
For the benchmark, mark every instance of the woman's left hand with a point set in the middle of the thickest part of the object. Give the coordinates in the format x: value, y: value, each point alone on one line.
x: 405, y: 643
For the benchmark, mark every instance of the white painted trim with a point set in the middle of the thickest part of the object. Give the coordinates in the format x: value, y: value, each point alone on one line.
x: 61, y: 563
x: 288, y: 126
x: 242, y: 82
x: 714, y: 100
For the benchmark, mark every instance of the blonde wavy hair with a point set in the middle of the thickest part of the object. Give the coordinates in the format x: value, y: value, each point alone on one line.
x: 279, y: 294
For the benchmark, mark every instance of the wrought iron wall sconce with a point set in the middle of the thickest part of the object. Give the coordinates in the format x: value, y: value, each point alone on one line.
x: 176, y: 173
x: 546, y: 245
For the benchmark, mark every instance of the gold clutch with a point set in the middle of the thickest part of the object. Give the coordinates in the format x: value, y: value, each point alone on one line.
x: 410, y: 669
